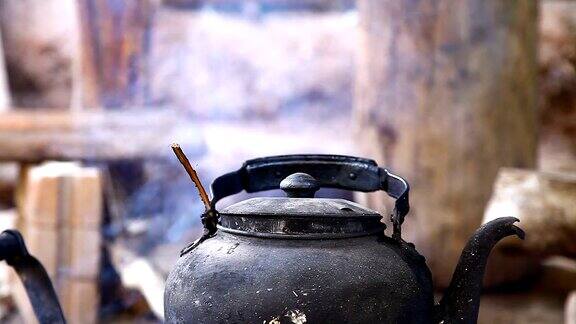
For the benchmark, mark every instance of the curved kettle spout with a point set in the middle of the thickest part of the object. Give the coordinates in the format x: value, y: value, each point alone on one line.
x: 461, y: 300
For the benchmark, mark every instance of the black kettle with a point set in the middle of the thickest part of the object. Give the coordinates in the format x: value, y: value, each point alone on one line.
x: 300, y: 259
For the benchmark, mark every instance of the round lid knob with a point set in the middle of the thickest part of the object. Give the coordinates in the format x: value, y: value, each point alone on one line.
x: 300, y: 185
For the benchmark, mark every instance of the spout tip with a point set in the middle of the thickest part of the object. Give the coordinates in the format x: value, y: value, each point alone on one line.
x: 506, y: 226
x: 519, y: 232
x: 511, y: 228
x: 515, y: 229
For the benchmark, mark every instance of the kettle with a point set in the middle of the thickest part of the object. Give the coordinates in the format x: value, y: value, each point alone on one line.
x: 300, y: 259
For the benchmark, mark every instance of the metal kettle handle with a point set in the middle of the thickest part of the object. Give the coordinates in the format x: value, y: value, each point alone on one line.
x: 331, y: 171
x: 34, y: 277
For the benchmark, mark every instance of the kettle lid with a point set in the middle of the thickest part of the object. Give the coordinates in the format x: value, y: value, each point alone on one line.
x: 300, y: 215
x: 304, y: 218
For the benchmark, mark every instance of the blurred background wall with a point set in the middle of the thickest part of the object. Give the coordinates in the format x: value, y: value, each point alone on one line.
x: 445, y: 93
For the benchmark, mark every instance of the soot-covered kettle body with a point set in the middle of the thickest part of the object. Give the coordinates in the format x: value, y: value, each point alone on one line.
x: 300, y: 259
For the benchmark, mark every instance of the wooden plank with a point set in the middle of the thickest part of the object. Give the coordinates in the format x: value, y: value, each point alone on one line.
x: 65, y: 252
x: 43, y: 243
x: 39, y: 201
x: 86, y: 193
x: 139, y: 273
x: 80, y: 300
x: 63, y: 194
x: 61, y: 209
x: 60, y: 218
x: 21, y: 300
x: 81, y: 257
x: 40, y: 119
x: 445, y: 98
x: 34, y: 136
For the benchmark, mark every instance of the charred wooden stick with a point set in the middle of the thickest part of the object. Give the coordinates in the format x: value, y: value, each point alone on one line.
x: 192, y: 173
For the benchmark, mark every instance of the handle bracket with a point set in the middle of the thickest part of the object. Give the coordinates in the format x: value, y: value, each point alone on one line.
x: 331, y: 171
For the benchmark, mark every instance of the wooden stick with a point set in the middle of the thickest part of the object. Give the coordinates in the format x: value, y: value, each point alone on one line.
x: 192, y: 173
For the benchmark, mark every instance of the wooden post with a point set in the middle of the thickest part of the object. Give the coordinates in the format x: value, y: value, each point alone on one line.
x: 113, y: 71
x: 4, y: 90
x: 115, y: 43
x: 445, y: 96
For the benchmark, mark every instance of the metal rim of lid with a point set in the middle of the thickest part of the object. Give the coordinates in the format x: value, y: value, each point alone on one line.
x: 276, y: 228
x: 300, y: 218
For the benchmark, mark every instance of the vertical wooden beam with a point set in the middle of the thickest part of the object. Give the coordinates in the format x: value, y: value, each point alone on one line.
x: 4, y: 90
x: 113, y: 72
x: 115, y: 45
x: 445, y: 96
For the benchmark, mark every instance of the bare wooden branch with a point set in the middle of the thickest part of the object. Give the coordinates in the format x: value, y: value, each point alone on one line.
x: 192, y: 173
